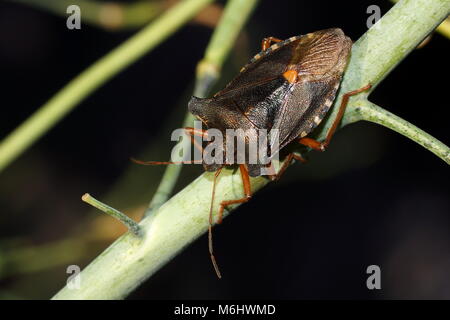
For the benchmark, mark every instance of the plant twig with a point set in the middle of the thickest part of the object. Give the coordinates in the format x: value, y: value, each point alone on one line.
x: 36, y: 258
x: 128, y: 222
x: 185, y: 216
x: 108, y: 15
x: 365, y: 110
x: 234, y: 16
x: 443, y: 28
x: 377, y: 53
x: 95, y: 76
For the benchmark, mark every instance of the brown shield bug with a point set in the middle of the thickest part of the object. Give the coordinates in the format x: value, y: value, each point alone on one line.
x: 288, y: 87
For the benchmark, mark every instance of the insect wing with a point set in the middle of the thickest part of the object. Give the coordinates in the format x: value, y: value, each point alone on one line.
x: 305, y: 107
x: 266, y: 65
x: 319, y: 59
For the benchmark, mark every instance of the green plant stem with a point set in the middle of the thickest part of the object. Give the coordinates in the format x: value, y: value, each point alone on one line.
x: 235, y: 15
x: 182, y: 219
x: 443, y: 28
x: 365, y: 110
x: 36, y: 258
x: 131, y: 260
x: 377, y: 53
x: 108, y: 15
x: 95, y: 76
x: 169, y: 178
x: 128, y: 222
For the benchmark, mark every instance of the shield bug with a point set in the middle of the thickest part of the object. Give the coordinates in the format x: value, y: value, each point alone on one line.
x: 286, y: 88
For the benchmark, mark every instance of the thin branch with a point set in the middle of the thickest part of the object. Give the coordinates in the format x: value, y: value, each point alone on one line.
x: 365, y: 110
x: 234, y: 17
x: 382, y: 47
x: 108, y: 15
x: 182, y: 219
x: 95, y: 76
x: 443, y: 28
x: 120, y: 216
x: 39, y: 257
x: 169, y: 178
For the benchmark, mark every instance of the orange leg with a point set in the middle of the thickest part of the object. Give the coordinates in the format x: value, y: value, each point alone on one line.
x: 247, y: 192
x: 313, y: 144
x: 287, y: 162
x: 192, y: 132
x: 196, y: 132
x: 267, y: 42
x: 270, y: 168
x: 321, y: 146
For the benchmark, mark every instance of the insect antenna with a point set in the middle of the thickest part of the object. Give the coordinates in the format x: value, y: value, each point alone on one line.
x: 156, y: 163
x: 210, y: 238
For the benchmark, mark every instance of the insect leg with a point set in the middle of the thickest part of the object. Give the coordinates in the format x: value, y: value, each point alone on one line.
x: 320, y: 146
x: 192, y: 132
x: 313, y: 144
x: 267, y: 42
x: 271, y: 168
x: 196, y: 132
x: 287, y: 162
x: 299, y: 158
x: 283, y: 168
x: 247, y: 192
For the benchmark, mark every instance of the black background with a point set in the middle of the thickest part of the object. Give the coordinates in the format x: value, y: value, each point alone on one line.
x: 374, y: 197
